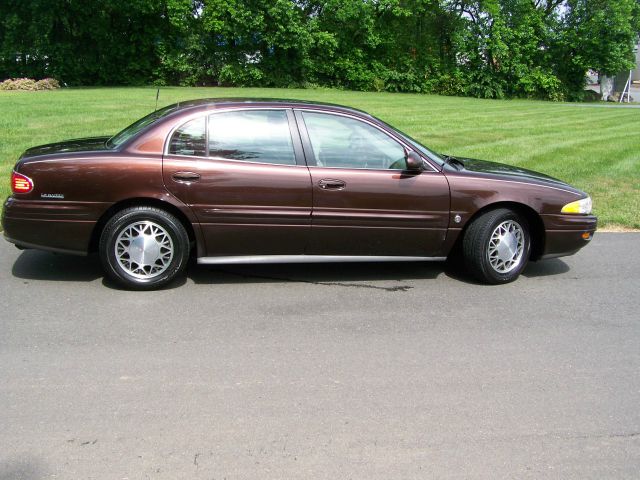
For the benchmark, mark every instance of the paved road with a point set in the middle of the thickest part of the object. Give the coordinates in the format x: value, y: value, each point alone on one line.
x: 322, y: 372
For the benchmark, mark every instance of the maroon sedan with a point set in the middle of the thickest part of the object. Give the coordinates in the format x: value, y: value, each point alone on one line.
x: 270, y: 181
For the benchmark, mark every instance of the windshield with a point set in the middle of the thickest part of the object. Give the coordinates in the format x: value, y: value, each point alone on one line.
x: 418, y: 146
x: 424, y: 150
x: 136, y: 127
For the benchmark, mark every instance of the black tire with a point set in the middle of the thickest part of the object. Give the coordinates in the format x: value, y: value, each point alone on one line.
x: 162, y: 248
x: 483, y: 256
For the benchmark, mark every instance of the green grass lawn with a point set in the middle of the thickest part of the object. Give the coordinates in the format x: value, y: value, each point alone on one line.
x: 595, y: 149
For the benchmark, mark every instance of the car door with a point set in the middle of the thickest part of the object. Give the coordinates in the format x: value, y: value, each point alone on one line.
x: 243, y: 174
x: 365, y: 201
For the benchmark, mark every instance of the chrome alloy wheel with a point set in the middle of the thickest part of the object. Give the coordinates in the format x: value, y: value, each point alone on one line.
x: 506, y: 246
x: 144, y: 249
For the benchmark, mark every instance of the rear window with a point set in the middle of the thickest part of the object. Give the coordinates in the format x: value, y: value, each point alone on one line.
x: 136, y: 127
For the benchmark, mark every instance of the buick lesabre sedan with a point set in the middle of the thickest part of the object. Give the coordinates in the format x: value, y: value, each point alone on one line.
x: 270, y: 181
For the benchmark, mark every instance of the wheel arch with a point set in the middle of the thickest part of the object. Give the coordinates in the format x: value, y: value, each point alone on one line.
x: 137, y: 202
x: 536, y: 226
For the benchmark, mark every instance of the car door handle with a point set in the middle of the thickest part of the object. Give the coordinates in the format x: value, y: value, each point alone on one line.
x: 331, y: 184
x: 186, y: 176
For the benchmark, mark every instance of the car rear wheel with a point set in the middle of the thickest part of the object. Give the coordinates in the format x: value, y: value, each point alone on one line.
x: 496, y: 246
x: 144, y: 248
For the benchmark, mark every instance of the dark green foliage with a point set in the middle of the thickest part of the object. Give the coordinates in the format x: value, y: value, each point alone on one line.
x: 80, y: 42
x: 483, y: 48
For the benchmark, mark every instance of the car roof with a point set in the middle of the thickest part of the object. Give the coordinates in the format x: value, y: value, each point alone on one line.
x: 214, y: 103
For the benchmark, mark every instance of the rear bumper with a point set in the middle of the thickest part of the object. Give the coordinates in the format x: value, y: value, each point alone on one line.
x: 566, y: 234
x: 54, y: 226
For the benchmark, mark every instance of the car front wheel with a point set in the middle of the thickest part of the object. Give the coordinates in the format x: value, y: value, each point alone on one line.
x: 144, y: 248
x: 496, y: 246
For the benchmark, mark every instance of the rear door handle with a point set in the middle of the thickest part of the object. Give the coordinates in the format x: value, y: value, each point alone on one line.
x: 331, y: 184
x: 186, y: 176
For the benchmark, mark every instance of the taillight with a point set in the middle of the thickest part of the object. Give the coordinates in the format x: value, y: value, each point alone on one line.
x: 21, y: 183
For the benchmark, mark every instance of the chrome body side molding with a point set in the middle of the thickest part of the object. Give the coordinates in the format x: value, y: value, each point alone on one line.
x: 248, y: 259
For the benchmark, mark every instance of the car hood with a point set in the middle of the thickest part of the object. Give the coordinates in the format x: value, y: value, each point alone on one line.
x: 91, y: 144
x: 509, y: 172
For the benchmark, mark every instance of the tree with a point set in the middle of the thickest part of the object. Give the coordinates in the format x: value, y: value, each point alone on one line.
x: 598, y: 35
x: 79, y: 44
x: 482, y: 48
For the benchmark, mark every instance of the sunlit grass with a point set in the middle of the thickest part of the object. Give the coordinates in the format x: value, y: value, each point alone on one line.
x: 595, y: 149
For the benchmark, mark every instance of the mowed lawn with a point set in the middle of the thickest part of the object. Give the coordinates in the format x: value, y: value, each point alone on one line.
x: 595, y: 148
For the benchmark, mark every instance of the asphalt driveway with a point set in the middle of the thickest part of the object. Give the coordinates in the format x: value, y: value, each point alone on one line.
x: 364, y: 371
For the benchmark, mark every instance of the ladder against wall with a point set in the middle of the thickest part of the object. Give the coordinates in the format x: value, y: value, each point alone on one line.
x: 627, y: 89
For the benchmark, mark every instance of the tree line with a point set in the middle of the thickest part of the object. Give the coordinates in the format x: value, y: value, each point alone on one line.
x: 481, y: 48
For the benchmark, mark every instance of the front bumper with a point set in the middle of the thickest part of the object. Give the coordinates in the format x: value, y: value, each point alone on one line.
x: 566, y: 234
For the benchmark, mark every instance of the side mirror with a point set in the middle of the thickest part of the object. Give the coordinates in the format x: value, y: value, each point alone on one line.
x: 414, y: 161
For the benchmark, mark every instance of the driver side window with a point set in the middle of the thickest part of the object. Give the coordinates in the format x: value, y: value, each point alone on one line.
x: 343, y: 142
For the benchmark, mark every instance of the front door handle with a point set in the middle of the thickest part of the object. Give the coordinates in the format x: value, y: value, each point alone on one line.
x: 186, y: 176
x: 331, y: 184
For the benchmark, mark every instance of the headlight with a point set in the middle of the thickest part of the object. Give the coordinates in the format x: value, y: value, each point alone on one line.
x: 579, y: 206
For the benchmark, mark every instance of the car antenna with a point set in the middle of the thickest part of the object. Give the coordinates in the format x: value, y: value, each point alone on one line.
x: 157, y: 95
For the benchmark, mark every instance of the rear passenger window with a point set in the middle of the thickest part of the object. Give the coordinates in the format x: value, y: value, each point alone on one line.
x: 189, y: 139
x: 252, y: 136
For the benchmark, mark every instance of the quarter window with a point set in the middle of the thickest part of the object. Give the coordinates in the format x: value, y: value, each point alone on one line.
x: 344, y: 142
x: 251, y: 136
x: 189, y: 139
